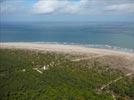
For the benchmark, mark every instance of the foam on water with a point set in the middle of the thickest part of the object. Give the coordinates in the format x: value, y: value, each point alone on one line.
x: 91, y: 46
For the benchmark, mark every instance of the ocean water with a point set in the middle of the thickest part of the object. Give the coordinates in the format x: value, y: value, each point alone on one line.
x: 116, y: 35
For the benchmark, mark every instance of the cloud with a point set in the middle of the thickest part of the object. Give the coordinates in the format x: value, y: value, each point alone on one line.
x: 87, y: 7
x: 83, y: 6
x: 59, y: 6
x: 128, y: 8
x: 52, y: 6
x: 45, y: 6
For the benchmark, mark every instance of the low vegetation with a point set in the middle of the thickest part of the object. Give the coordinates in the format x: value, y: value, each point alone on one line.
x: 57, y: 77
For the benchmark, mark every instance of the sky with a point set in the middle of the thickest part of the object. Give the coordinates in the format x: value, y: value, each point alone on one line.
x: 67, y: 10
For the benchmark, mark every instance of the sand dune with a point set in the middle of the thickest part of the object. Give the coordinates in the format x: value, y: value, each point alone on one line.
x: 119, y: 59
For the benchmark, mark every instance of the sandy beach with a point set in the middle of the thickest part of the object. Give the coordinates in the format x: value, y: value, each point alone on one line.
x: 123, y: 60
x: 63, y: 48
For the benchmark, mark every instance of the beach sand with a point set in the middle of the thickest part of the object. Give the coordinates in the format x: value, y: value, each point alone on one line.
x: 117, y: 59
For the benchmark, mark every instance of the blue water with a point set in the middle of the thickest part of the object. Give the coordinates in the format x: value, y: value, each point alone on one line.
x: 109, y: 34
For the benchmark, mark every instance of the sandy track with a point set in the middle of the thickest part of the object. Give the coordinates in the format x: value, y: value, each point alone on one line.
x: 114, y: 81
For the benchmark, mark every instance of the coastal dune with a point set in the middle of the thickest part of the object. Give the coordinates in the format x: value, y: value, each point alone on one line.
x: 117, y: 59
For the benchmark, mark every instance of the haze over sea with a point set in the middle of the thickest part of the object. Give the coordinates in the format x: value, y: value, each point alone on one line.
x: 93, y: 34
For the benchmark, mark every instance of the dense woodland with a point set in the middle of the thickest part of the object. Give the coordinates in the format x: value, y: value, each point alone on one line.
x: 23, y: 77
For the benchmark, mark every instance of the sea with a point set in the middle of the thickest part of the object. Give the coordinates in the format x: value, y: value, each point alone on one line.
x: 108, y: 35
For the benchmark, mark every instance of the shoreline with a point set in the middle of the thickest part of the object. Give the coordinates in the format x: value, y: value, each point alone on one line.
x: 65, y: 48
x: 95, y: 46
